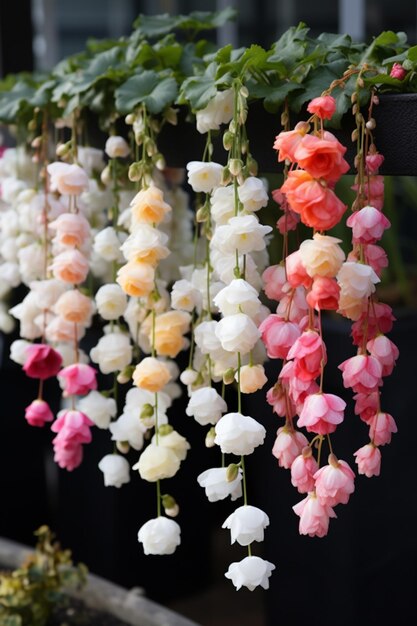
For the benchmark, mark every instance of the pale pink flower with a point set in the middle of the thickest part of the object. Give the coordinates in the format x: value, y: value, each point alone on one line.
x: 68, y: 457
x: 280, y: 401
x: 70, y: 266
x: 368, y: 459
x: 373, y: 162
x: 275, y: 282
x: 60, y: 329
x: 296, y: 271
x: 303, y: 469
x: 72, y: 229
x: 324, y: 294
x: 334, y: 482
x: 361, y: 373
x: 382, y: 426
x: 314, y: 516
x: 293, y: 306
x: 366, y: 405
x: 288, y: 222
x: 376, y: 257
x: 385, y: 351
x: 379, y: 319
x: 298, y: 389
x: 321, y: 413
x: 288, y: 445
x: 38, y: 413
x: 77, y: 379
x: 367, y: 225
x: 75, y: 307
x: 309, y: 354
x: 278, y: 336
x: 67, y: 179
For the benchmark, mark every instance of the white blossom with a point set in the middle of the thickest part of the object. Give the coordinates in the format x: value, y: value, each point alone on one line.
x: 251, y: 572
x: 247, y: 524
x: 115, y: 469
x: 239, y: 434
x: 160, y: 536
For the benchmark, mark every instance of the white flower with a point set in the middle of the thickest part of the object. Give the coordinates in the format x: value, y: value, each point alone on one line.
x: 66, y: 350
x: 117, y: 146
x: 10, y: 274
x: 7, y: 323
x: 238, y: 297
x: 217, y: 486
x: 199, y: 279
x: 174, y: 442
x: 239, y: 434
x: 156, y: 463
x: 206, y: 338
x: 247, y: 524
x: 188, y: 376
x: 112, y: 353
x: 206, y: 406
x: 251, y: 572
x: 111, y: 301
x: 160, y: 536
x: 223, y: 204
x: 26, y: 312
x: 237, y: 333
x: 184, y: 296
x: 204, y: 176
x: 243, y: 233
x: 224, y: 265
x: 31, y: 262
x: 128, y: 427
x: 218, y: 111
x: 98, y: 408
x: 252, y: 194
x: 115, y: 469
x: 66, y: 178
x: 47, y: 292
x: 11, y: 188
x: 18, y: 351
x: 107, y: 244
x: 357, y: 279
x: 146, y: 244
x: 90, y: 159
x: 322, y: 255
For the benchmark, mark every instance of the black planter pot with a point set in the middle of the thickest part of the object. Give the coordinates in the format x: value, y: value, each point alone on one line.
x: 365, y: 571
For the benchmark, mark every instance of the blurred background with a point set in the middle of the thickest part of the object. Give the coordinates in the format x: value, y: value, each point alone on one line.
x: 365, y: 571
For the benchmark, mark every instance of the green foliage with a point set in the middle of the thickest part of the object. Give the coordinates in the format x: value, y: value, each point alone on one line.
x: 28, y: 594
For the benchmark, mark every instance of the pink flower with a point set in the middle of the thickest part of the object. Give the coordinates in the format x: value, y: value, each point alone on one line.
x: 361, y: 373
x: 288, y: 445
x: 321, y: 413
x: 298, y: 389
x: 397, y: 71
x: 314, y: 516
x: 303, y: 469
x: 381, y: 428
x: 38, y: 413
x: 334, y: 482
x: 324, y: 294
x: 288, y: 222
x: 367, y: 225
x: 73, y: 428
x: 322, y: 106
x: 366, y: 405
x: 77, y: 379
x: 368, y: 459
x: 275, y: 282
x: 286, y: 142
x: 281, y: 403
x: 42, y: 361
x: 293, y: 307
x: 278, y: 336
x: 68, y: 457
x: 373, y: 162
x: 385, y: 351
x: 309, y: 354
x: 379, y: 319
x: 296, y: 272
x: 72, y: 229
x: 376, y: 257
x: 67, y: 179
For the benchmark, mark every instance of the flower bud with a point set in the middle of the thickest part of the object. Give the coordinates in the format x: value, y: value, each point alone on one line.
x: 123, y: 446
x: 170, y: 506
x: 105, y: 175
x: 228, y: 140
x: 210, y: 438
x: 63, y: 149
x: 125, y: 375
x: 203, y: 213
x: 252, y: 166
x: 159, y: 161
x: 229, y: 376
x: 370, y: 124
x: 129, y: 119
x: 226, y: 178
x: 235, y: 166
x: 135, y: 171
x: 171, y: 116
x: 147, y: 411
x: 165, y: 429
x: 232, y: 472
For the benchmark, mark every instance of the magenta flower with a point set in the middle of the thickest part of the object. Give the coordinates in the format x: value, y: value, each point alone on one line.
x: 321, y: 413
x: 38, y: 413
x: 42, y: 361
x: 77, y: 379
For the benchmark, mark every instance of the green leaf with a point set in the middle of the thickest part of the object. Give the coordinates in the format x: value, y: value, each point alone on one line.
x: 318, y: 81
x: 151, y: 26
x: 11, y: 101
x: 199, y: 90
x: 272, y: 95
x: 147, y: 88
x: 382, y: 79
x: 289, y: 49
x: 412, y: 54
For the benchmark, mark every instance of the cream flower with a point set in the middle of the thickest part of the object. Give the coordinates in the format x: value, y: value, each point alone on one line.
x: 238, y: 297
x: 116, y: 470
x: 243, y: 233
x: 237, y: 333
x: 148, y: 207
x: 206, y: 406
x: 204, y: 176
x: 184, y: 296
x: 252, y: 378
x: 111, y: 301
x: 174, y: 442
x: 128, y: 428
x: 136, y: 279
x: 112, y: 353
x: 107, y: 244
x: 156, y: 463
x: 146, y: 244
x: 239, y: 434
x: 322, y: 255
x: 99, y: 409
x: 247, y: 524
x: 116, y: 146
x: 251, y: 572
x: 160, y: 536
x: 223, y: 204
x: 252, y: 194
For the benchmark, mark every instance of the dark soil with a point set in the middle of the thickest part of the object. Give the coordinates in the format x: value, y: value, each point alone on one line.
x: 76, y: 613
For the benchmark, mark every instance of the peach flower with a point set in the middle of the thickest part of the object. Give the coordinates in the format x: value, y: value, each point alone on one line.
x: 148, y: 206
x: 287, y: 142
x: 67, y: 179
x: 322, y: 106
x: 322, y: 255
x: 318, y: 206
x: 136, y: 279
x: 73, y: 306
x: 151, y: 374
x: 72, y: 229
x: 252, y: 378
x: 70, y: 266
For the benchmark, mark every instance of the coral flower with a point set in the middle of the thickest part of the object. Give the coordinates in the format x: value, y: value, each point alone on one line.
x: 324, y: 294
x: 314, y: 516
x: 287, y: 141
x: 317, y: 204
x: 322, y: 157
x: 321, y: 413
x: 42, y: 361
x: 148, y: 206
x: 323, y: 106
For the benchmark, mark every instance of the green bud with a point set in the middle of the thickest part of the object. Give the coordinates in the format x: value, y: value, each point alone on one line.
x: 408, y: 64
x: 168, y: 502
x: 171, y: 116
x: 229, y: 376
x: 226, y: 177
x: 203, y: 213
x: 228, y: 140
x: 165, y: 429
x: 232, y: 472
x: 210, y: 437
x: 147, y: 411
x: 252, y: 166
x: 235, y: 166
x: 135, y: 171
x: 125, y: 375
x: 123, y: 446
